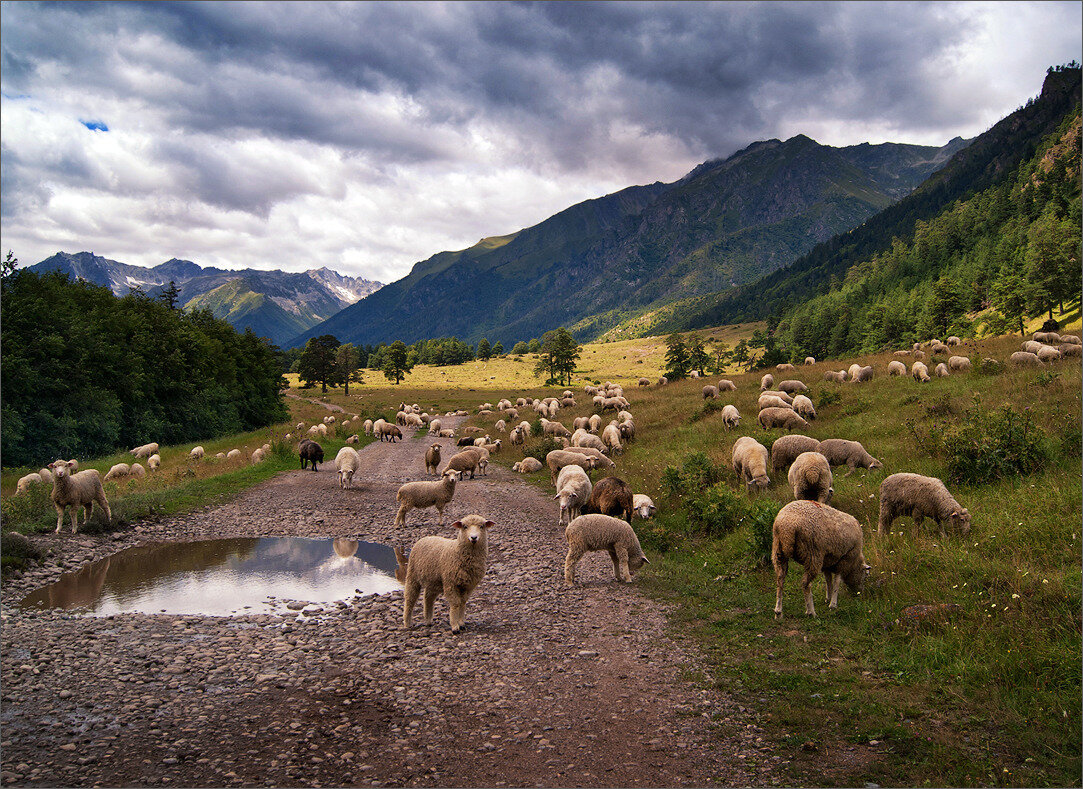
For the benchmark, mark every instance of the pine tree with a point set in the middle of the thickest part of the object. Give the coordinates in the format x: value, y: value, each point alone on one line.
x: 396, y: 362
x: 485, y: 351
x: 559, y: 353
x: 317, y: 363
x: 677, y: 358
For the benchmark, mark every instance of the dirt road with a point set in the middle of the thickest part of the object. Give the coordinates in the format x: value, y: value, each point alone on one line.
x: 549, y: 685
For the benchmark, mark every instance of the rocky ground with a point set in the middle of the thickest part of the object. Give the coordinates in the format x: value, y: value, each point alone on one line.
x: 549, y: 685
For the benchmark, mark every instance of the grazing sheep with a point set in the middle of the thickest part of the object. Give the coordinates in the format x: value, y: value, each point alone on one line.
x: 695, y: 374
x: 145, y: 451
x: 555, y: 429
x: 804, y: 407
x: 1032, y: 346
x: 453, y: 567
x: 559, y: 458
x: 391, y: 432
x: 46, y: 476
x: 941, y: 371
x: 789, y: 387
x: 836, y: 376
x: 611, y: 438
x: 1069, y: 349
x: 137, y: 472
x: 233, y: 454
x: 421, y: 495
x: 527, y: 466
x: 196, y: 453
x: 786, y: 449
x: 603, y: 533
x: 78, y: 491
x: 749, y: 460
x: 347, y: 461
x: 367, y: 424
x: 953, y: 341
x: 920, y: 497
x: 643, y: 506
x: 501, y: 426
x: 919, y: 355
x: 310, y: 451
x: 260, y: 454
x: 840, y: 452
x: 432, y: 459
x: 864, y: 374
x: 959, y: 363
x: 585, y: 439
x: 644, y: 382
x: 767, y: 382
x: 1025, y: 359
x: 920, y: 372
x: 465, y: 441
x: 901, y: 353
x: 1047, y: 336
x: 710, y: 392
x: 467, y: 460
x: 810, y: 478
x: 810, y: 360
x: 118, y: 471
x: 822, y: 539
x: 772, y: 401
x: 785, y: 397
x: 1048, y: 353
x: 493, y: 447
x: 731, y: 417
x: 154, y: 462
x: 896, y: 368
x: 939, y: 349
x: 611, y: 496
x: 1070, y: 339
x: 726, y: 385
x: 573, y: 491
x: 781, y: 417
x: 24, y: 483
x: 784, y: 366
x: 595, y: 423
x: 663, y: 381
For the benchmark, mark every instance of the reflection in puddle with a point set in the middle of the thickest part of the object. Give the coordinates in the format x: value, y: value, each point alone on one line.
x: 223, y: 577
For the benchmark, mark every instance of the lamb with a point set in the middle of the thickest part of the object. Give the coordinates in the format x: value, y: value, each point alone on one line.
x: 347, y: 461
x: 941, y: 371
x: 810, y: 478
x: 559, y: 458
x: 920, y: 372
x: 603, y: 533
x: 527, y: 466
x: 118, y: 471
x: 24, y: 483
x: 822, y: 539
x: 804, y: 407
x: 78, y: 491
x: 731, y: 417
x: 810, y: 360
x: 767, y: 382
x: 920, y: 497
x: 310, y: 451
x: 435, y: 426
x: 573, y: 491
x: 453, y: 567
x: 840, y: 452
x: 196, y: 453
x: 260, y: 454
x: 643, y: 506
x: 710, y: 392
x: 1025, y: 359
x: 432, y: 459
x: 836, y: 376
x: 482, y: 441
x: 864, y: 374
x: 233, y: 454
x: 749, y: 459
x: 772, y: 401
x: 611, y: 438
x: 789, y: 387
x: 367, y: 424
x: 611, y: 496
x: 421, y: 495
x: 467, y: 460
x: 897, y: 368
x: 145, y: 451
x: 786, y: 449
x: 137, y: 472
x: 781, y: 417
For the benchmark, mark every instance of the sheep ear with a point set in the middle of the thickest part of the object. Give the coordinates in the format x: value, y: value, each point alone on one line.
x: 457, y: 525
x: 489, y: 524
x: 646, y: 560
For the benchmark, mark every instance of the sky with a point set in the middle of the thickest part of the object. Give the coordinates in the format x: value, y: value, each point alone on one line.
x: 369, y: 136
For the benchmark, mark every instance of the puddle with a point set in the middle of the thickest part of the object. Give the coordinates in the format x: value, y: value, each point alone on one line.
x: 253, y: 575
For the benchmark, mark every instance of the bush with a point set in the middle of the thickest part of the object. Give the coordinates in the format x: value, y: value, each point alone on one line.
x: 709, y: 407
x: 989, y: 446
x: 761, y: 521
x: 828, y: 397
x: 17, y: 551
x: 29, y: 512
x: 541, y: 448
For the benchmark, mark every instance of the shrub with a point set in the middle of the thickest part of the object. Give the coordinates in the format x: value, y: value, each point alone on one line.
x: 709, y: 407
x: 941, y: 406
x: 761, y: 520
x: 828, y: 397
x: 541, y: 448
x: 17, y: 551
x: 29, y: 512
x: 989, y: 446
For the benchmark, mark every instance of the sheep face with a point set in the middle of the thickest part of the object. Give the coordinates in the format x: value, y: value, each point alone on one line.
x: 758, y: 483
x: 475, y: 531
x: 62, y: 468
x: 646, y: 511
x: 960, y: 519
x: 855, y: 579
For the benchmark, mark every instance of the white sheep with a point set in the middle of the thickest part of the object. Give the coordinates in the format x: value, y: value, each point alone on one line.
x: 710, y: 392
x: 611, y: 438
x: 233, y: 454
x: 749, y: 460
x: 852, y: 371
x: 118, y: 471
x: 24, y: 483
x: 822, y: 539
x: 810, y: 477
x: 792, y: 386
x: 1047, y: 353
x: 421, y: 495
x: 573, y: 491
x: 559, y: 458
x: 781, y: 417
x: 920, y: 372
x: 864, y: 374
x: 137, y: 471
x: 896, y: 368
x: 470, y: 459
x: 347, y: 462
x: 837, y: 376
x: 810, y: 360
x: 603, y: 533
x: 595, y: 422
x: 726, y: 385
x: 920, y: 497
x: 941, y: 371
x: 451, y: 567
x: 78, y: 491
x: 803, y: 406
x: 953, y: 341
x: 767, y: 382
x: 527, y: 466
x: 731, y: 417
x: 1026, y: 359
x: 196, y: 453
x: 772, y: 401
x: 840, y: 452
x: 643, y: 506
x: 145, y: 451
x: 259, y: 454
x: 959, y: 364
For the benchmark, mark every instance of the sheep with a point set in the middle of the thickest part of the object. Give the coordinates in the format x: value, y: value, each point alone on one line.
x: 555, y: 429
x: 662, y: 381
x: 823, y: 539
x: 600, y: 460
x: 367, y: 424
x: 590, y: 440
x: 786, y: 449
x: 852, y: 371
x: 810, y: 360
x: 559, y: 458
x: 864, y: 374
x: 603, y: 533
x: 465, y: 441
x: 611, y: 438
x: 772, y: 401
x: 784, y: 396
x: 901, y: 353
x: 24, y: 483
x: 897, y: 368
x: 233, y: 454
x: 1025, y: 359
x: 137, y: 472
x: 118, y: 471
x: 710, y: 392
x: 1048, y: 353
x: 837, y: 377
x: 1069, y: 339
x: 310, y: 451
x: 453, y: 567
x: 501, y: 426
x: 300, y: 426
x: 731, y: 417
x: 789, y: 387
x: 392, y: 432
x: 643, y: 506
x: 1046, y: 336
x: 786, y: 366
x: 347, y: 461
x: 726, y: 385
x: 354, y: 439
x: 525, y: 427
x: 482, y: 441
x: 941, y: 371
x: 421, y: 495
x: 749, y: 460
x: 810, y: 477
x: 517, y: 436
x: 595, y: 423
x: 953, y: 341
x: 446, y: 433
x: 432, y: 459
x: 144, y: 451
x: 920, y: 497
x: 781, y: 417
x: 694, y: 374
x: 493, y: 447
x: 467, y: 460
x: 527, y: 466
x: 804, y: 407
x: 78, y: 491
x: 767, y: 382
x: 840, y: 452
x: 939, y: 349
x: 573, y: 491
x: 611, y: 496
x: 919, y: 355
x: 1069, y: 349
x: 920, y: 372
x: 260, y: 454
x: 196, y: 453
x: 46, y: 476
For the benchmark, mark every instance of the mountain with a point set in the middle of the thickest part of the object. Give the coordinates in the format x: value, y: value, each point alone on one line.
x: 725, y: 223
x: 274, y: 304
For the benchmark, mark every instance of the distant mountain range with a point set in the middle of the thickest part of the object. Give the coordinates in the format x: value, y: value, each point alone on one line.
x: 274, y: 304
x: 726, y: 223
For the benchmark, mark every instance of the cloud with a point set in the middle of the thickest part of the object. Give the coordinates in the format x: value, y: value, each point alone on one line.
x: 367, y: 136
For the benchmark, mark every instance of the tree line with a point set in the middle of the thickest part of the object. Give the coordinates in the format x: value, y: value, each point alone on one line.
x: 87, y: 373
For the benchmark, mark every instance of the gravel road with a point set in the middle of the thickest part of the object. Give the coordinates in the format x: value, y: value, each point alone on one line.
x: 549, y: 685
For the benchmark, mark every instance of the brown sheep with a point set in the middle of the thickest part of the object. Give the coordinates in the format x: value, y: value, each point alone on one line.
x: 611, y: 496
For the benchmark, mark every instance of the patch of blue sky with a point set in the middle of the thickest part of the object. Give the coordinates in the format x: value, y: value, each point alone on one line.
x: 94, y: 125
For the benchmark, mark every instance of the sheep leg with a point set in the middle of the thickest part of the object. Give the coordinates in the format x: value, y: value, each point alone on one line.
x: 851, y: 471
x: 832, y: 595
x: 620, y: 563
x: 811, y: 572
x: 782, y: 565
x: 410, y: 600
x: 432, y: 591
x: 885, y: 520
x: 440, y: 509
x: 574, y: 555
x: 59, y: 517
x: 456, y: 608
x: 74, y: 518
x: 400, y: 518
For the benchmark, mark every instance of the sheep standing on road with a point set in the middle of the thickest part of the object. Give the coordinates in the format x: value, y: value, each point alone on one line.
x: 347, y: 461
x: 452, y: 567
x: 421, y: 495
x: 310, y: 452
x: 573, y: 491
x: 611, y: 496
x: 78, y: 491
x: 432, y: 459
x: 603, y: 533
